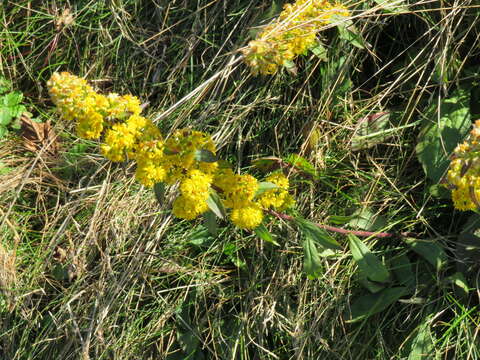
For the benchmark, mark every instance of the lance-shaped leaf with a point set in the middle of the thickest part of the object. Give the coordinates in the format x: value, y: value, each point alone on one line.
x: 263, y: 233
x: 210, y: 222
x: 311, y: 259
x: 368, y: 263
x: 215, y: 204
x: 318, y: 235
x: 205, y: 155
x: 159, y: 190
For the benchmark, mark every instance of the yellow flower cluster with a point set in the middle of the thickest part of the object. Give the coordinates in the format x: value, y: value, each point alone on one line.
x: 293, y: 33
x: 278, y: 198
x: 76, y: 100
x: 464, y: 172
x: 187, y: 157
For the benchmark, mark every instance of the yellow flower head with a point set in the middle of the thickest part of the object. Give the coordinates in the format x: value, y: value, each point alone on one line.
x: 247, y: 217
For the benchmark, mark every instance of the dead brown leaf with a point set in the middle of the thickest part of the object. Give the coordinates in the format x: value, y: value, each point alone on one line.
x: 37, y: 136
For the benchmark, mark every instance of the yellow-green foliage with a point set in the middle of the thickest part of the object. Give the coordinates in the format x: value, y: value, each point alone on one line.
x: 293, y: 33
x: 127, y: 135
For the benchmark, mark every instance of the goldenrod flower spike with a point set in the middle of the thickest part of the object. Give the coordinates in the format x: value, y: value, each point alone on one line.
x: 127, y: 135
x: 293, y: 33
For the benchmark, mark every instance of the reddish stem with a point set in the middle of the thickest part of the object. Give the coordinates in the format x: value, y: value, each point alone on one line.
x: 346, y: 231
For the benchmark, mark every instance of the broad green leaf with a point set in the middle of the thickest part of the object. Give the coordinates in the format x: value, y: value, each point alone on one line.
x: 159, y: 190
x: 263, y: 233
x: 366, y: 220
x: 320, y: 236
x: 210, y: 222
x: 367, y: 261
x: 446, y: 126
x: 422, y: 346
x: 439, y: 191
x: 205, y: 155
x: 12, y: 99
x: 17, y: 110
x: 5, y: 116
x: 215, y: 204
x: 402, y: 269
x: 430, y: 251
x: 371, y: 286
x: 265, y: 186
x: 371, y: 304
x: 312, y: 265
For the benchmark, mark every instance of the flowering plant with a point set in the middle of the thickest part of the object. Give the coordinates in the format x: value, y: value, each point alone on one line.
x: 187, y: 157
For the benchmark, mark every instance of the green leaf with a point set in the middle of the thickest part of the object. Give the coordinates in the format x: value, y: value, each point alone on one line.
x: 210, y: 222
x: 367, y: 261
x: 200, y: 236
x: 205, y: 155
x: 402, y: 269
x: 459, y: 280
x: 263, y: 233
x: 4, y: 169
x: 339, y: 219
x: 159, y: 190
x: 5, y: 85
x: 446, y: 126
x: 320, y: 236
x: 347, y: 31
x: 17, y: 110
x: 371, y: 304
x: 265, y: 186
x: 215, y: 204
x: 12, y: 99
x: 312, y: 265
x: 422, y: 346
x: 266, y: 163
x: 3, y: 131
x: 320, y: 51
x: 301, y: 163
x: 5, y: 116
x: 366, y: 220
x: 371, y: 286
x: 430, y: 251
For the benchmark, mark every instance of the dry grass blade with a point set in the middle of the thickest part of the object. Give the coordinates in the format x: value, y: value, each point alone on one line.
x: 8, y: 276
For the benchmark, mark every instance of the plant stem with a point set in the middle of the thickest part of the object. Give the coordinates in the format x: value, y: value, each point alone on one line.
x: 347, y: 231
